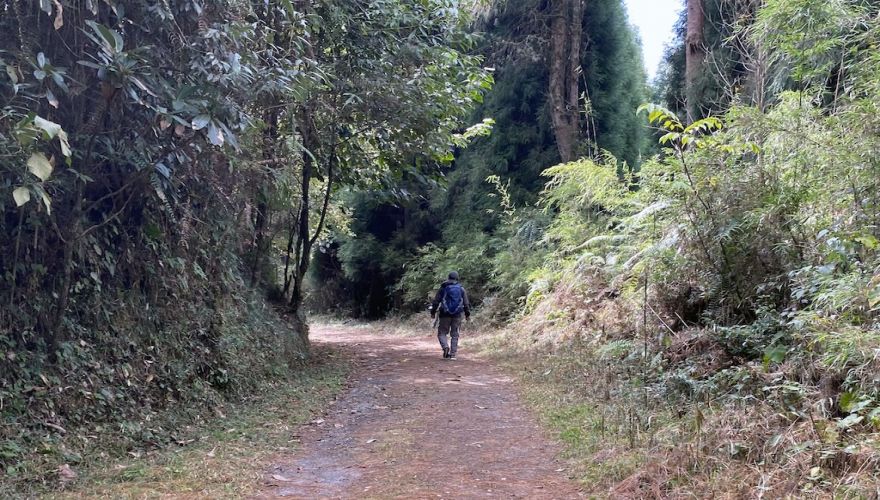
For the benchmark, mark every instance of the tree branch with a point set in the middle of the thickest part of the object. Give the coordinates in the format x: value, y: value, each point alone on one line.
x: 320, y: 226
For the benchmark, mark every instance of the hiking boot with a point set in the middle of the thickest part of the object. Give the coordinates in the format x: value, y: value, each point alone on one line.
x: 446, y: 353
x: 452, y: 357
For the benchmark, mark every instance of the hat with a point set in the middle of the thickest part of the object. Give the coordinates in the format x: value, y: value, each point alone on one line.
x: 453, y: 275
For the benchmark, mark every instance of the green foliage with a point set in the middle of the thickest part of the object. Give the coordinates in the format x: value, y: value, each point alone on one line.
x: 423, y: 274
x: 733, y: 275
x: 154, y: 153
x: 464, y: 228
x: 816, y: 35
x: 745, y: 258
x: 615, y: 82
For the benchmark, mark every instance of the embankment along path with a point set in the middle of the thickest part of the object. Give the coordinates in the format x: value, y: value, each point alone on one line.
x: 413, y: 425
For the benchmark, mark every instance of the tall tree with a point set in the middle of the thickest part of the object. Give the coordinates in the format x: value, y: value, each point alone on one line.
x: 695, y: 55
x: 392, y: 238
x: 565, y: 67
x: 398, y: 82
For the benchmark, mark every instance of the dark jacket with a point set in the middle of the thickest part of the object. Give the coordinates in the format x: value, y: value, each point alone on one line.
x: 435, y: 305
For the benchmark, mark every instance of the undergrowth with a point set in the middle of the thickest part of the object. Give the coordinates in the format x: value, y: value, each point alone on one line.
x: 721, y: 306
x: 221, y: 455
x: 696, y: 414
x: 137, y: 385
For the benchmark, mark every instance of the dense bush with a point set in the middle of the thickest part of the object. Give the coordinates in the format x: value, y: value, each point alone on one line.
x: 126, y: 216
x: 430, y: 228
x: 734, y: 279
x: 163, y: 164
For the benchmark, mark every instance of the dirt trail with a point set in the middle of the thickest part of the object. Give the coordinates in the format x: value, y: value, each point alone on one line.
x: 413, y: 425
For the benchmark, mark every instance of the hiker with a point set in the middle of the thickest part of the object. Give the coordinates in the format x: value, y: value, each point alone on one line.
x: 451, y: 302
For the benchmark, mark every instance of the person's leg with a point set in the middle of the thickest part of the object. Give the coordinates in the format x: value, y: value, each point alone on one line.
x: 454, y: 327
x: 442, y: 331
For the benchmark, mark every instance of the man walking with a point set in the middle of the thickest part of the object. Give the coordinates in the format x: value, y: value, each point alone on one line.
x: 451, y: 302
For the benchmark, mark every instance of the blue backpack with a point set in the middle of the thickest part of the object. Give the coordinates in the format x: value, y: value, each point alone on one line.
x: 453, y: 299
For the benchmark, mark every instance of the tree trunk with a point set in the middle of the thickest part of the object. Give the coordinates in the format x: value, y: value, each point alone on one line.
x: 565, y: 53
x: 303, y: 246
x: 695, y: 55
x: 289, y: 255
x: 305, y: 239
x: 261, y: 217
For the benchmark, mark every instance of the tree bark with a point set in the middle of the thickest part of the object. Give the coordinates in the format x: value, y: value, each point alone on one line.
x: 306, y: 238
x: 565, y: 44
x: 261, y: 217
x: 289, y: 253
x: 310, y: 145
x: 695, y: 55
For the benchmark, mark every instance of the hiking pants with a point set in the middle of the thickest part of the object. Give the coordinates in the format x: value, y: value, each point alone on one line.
x: 449, y: 325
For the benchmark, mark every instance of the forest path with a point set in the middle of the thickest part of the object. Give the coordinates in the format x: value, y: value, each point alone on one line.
x: 413, y: 425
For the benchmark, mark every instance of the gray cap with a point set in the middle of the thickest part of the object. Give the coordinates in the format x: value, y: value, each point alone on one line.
x: 453, y: 275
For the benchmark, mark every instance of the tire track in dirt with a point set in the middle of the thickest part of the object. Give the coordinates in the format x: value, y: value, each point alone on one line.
x: 413, y: 425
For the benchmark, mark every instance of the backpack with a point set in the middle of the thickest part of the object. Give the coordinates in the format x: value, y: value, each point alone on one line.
x: 453, y: 299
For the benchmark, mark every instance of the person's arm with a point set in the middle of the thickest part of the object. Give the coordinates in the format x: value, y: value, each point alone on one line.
x: 436, y: 303
x: 467, y: 304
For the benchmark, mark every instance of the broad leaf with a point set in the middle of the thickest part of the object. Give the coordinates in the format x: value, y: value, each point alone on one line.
x: 21, y: 195
x: 47, y: 202
x: 50, y: 97
x: 50, y: 128
x: 112, y: 40
x: 850, y: 421
x: 40, y: 166
x: 215, y: 135
x: 200, y: 122
x: 65, y: 145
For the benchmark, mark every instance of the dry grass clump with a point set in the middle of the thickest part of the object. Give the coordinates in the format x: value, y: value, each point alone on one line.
x: 697, y: 414
x: 223, y: 457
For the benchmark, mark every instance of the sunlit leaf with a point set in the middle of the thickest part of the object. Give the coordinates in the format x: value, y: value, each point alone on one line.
x: 21, y: 195
x: 671, y: 136
x: 141, y: 86
x: 50, y: 128
x: 200, y: 122
x: 40, y: 166
x: 50, y: 97
x: 850, y: 421
x: 215, y: 135
x: 65, y: 145
x: 59, y: 15
x: 47, y: 202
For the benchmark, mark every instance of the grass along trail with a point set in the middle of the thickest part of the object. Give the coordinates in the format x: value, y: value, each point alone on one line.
x: 376, y: 413
x: 224, y: 457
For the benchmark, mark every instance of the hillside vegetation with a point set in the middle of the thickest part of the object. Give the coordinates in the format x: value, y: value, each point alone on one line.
x: 711, y: 311
x: 684, y: 272
x: 168, y: 166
